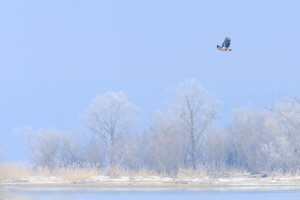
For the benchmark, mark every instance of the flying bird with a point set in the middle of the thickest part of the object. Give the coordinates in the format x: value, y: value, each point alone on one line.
x: 225, y: 45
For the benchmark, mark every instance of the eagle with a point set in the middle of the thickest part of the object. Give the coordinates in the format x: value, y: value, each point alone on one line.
x: 225, y: 45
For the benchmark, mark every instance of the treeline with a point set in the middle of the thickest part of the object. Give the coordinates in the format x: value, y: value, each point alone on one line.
x: 184, y: 136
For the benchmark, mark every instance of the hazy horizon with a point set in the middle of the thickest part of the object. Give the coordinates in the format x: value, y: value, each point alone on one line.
x: 56, y: 57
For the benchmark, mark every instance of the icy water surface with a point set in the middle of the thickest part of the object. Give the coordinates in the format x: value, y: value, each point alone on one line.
x: 91, y: 194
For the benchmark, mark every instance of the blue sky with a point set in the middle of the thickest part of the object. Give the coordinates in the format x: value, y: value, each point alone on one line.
x: 56, y: 56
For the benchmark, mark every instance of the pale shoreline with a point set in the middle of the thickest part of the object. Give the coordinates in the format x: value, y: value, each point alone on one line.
x: 154, y: 183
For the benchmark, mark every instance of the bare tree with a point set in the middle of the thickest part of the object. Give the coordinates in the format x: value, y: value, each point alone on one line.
x: 111, y: 116
x: 196, y: 109
x: 47, y: 147
x: 134, y: 154
x: 215, y: 151
x: 164, y: 145
x: 52, y: 148
x: 251, y: 132
x: 288, y: 112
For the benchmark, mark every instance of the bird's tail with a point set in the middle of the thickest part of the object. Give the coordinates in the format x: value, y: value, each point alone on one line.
x: 218, y: 46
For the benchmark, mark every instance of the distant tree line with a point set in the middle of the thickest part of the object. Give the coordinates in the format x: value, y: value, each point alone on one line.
x: 184, y: 136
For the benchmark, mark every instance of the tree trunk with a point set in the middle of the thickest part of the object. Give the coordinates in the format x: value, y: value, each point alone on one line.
x: 113, y: 158
x: 193, y: 150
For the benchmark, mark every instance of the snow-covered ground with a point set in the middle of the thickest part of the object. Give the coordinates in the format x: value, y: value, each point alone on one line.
x: 156, y: 181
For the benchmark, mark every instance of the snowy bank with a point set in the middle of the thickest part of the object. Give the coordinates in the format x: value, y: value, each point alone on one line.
x: 104, y: 182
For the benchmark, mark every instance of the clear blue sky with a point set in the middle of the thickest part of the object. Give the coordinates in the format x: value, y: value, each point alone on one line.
x: 56, y: 56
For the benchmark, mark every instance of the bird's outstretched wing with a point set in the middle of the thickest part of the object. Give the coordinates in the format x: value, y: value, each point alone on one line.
x: 226, y: 42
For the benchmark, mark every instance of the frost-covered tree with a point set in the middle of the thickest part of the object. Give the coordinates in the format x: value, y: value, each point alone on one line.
x: 164, y: 144
x: 286, y: 148
x: 288, y: 113
x: 111, y: 117
x: 250, y: 133
x: 53, y: 148
x: 49, y: 148
x: 215, y: 151
x: 196, y: 108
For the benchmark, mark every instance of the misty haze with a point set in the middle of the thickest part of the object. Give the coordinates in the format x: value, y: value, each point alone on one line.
x: 149, y: 95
